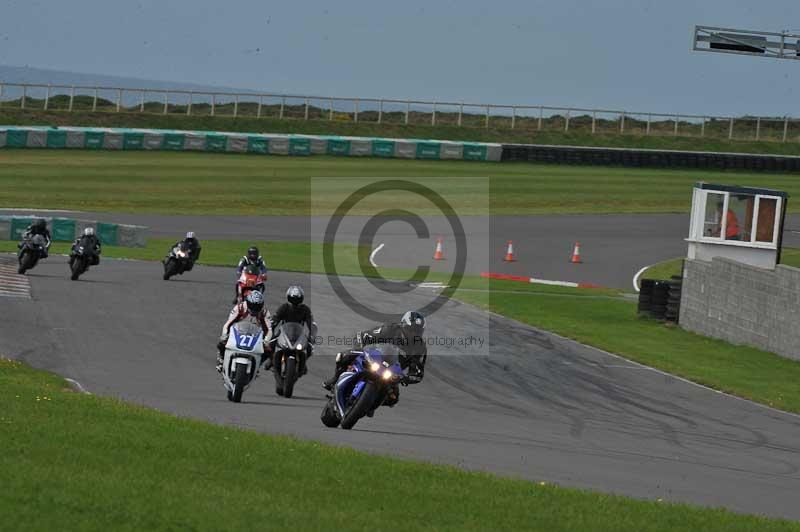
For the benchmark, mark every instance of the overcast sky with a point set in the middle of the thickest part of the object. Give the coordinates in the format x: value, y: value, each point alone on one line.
x: 620, y: 54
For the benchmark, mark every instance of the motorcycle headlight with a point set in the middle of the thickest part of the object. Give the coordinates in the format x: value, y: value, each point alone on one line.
x: 375, y: 367
x: 387, y: 375
x: 299, y: 347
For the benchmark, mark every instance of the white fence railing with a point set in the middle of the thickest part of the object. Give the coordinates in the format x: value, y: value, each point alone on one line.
x: 69, y: 98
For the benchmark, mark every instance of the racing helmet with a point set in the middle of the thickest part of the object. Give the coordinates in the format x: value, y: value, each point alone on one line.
x: 40, y: 223
x: 294, y: 295
x: 89, y: 231
x: 255, y: 302
x: 252, y: 254
x: 190, y: 234
x: 412, y: 323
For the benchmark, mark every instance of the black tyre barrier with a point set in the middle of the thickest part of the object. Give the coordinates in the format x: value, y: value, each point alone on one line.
x: 659, y: 299
x: 645, y: 296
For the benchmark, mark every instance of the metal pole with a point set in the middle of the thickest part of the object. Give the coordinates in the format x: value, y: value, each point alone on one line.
x: 541, y: 112
x: 703, y: 127
x: 141, y: 107
x: 649, y: 118
x: 566, y: 121
x: 622, y: 122
x: 330, y: 109
x: 94, y: 102
x: 283, y: 104
x: 119, y: 99
x: 513, y: 116
x: 730, y: 130
x: 408, y: 110
x: 487, y: 117
x: 213, y: 104
x: 433, y: 115
x: 355, y: 110
x: 460, y: 113
x: 785, y: 127
x: 758, y: 127
x: 189, y: 106
x: 47, y: 98
x: 675, y: 133
x: 166, y: 102
x: 236, y: 106
x: 24, y: 96
x: 594, y: 121
x: 1, y: 94
x: 260, y: 103
x: 305, y: 113
x: 380, y: 111
x: 71, y: 97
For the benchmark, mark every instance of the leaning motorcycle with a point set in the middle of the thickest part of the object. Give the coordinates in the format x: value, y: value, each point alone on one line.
x: 251, y: 278
x: 30, y: 253
x: 178, y: 261
x: 289, y: 360
x: 364, y: 386
x: 81, y: 259
x: 244, y: 352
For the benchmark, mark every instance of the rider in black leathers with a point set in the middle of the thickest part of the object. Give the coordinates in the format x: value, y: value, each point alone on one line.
x: 194, y: 248
x: 295, y: 311
x: 406, y: 336
x: 90, y: 241
x: 39, y: 227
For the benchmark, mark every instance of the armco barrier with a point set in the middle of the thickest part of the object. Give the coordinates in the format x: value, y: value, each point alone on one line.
x: 68, y: 229
x: 649, y: 158
x: 257, y: 143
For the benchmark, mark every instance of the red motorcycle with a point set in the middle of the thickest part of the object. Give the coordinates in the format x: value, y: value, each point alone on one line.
x: 251, y: 279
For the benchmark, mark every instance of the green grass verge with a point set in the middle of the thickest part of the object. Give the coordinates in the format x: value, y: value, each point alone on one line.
x: 668, y: 268
x: 206, y: 183
x: 78, y: 462
x: 552, y: 134
x: 612, y: 325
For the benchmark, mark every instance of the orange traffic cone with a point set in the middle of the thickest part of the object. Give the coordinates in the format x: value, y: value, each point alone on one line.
x: 576, y: 254
x: 510, y: 252
x: 439, y: 253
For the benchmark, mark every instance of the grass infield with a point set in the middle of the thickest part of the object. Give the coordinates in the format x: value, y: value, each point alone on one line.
x: 79, y: 462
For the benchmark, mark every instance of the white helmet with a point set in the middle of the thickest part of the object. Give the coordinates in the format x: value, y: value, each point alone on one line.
x: 89, y: 231
x: 190, y: 234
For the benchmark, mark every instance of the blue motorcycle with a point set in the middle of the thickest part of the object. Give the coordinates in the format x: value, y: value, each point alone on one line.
x: 370, y: 380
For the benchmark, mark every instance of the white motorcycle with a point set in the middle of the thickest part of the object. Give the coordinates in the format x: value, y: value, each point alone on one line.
x: 244, y: 353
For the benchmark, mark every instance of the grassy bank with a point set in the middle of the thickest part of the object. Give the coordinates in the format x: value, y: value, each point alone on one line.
x: 78, y: 462
x: 613, y: 325
x: 668, y: 268
x: 205, y: 183
x: 553, y: 132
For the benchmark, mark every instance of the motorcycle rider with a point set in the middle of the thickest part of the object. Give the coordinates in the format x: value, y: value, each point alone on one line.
x: 295, y: 311
x: 89, y: 241
x: 38, y: 227
x: 252, y: 258
x: 406, y: 336
x: 252, y: 307
x: 194, y: 248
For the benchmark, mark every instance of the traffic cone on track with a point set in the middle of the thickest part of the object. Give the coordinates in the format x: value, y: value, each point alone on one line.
x: 576, y: 254
x: 510, y: 252
x: 439, y: 253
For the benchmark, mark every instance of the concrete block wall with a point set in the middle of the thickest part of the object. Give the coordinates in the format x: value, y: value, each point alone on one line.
x: 743, y: 304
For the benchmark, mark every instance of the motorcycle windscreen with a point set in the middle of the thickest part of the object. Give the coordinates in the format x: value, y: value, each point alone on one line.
x: 37, y: 240
x: 246, y: 336
x: 381, y: 353
x: 292, y: 334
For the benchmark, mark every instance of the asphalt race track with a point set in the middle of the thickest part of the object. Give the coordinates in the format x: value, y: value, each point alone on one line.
x: 537, y: 407
x: 614, y: 247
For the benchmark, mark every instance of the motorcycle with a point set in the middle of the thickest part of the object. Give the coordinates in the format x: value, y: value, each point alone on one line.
x: 81, y: 260
x: 366, y: 384
x: 31, y: 251
x: 178, y: 261
x: 244, y: 352
x: 290, y: 357
x: 251, y: 278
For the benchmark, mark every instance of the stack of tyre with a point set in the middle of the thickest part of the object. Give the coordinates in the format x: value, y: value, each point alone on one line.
x: 660, y: 299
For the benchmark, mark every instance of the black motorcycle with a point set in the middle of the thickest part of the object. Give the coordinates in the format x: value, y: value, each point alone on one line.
x: 178, y: 261
x: 289, y: 360
x: 31, y: 251
x: 83, y: 256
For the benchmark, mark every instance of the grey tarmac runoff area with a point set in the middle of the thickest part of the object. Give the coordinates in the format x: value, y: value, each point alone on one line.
x: 537, y: 406
x: 613, y: 247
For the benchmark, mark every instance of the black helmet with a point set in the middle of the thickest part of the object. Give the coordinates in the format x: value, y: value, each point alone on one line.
x: 255, y: 302
x: 40, y: 223
x: 294, y: 295
x: 252, y: 253
x: 413, y: 324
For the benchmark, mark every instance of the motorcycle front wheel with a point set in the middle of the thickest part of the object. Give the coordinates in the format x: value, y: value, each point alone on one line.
x: 367, y: 399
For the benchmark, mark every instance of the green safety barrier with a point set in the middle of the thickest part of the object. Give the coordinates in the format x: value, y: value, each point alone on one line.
x: 216, y: 142
x: 133, y: 141
x: 94, y: 139
x: 299, y: 146
x: 383, y: 148
x: 257, y: 145
x: 338, y: 147
x: 56, y: 139
x: 17, y: 138
x: 474, y: 152
x: 107, y: 233
x: 174, y: 141
x: 62, y: 229
x: 18, y: 226
x: 428, y: 150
